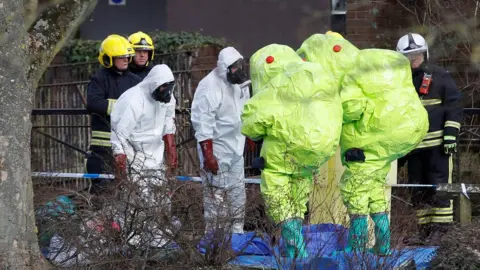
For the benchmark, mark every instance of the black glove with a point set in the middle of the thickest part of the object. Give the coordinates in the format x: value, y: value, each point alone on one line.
x: 449, y: 144
x: 402, y: 161
x: 259, y: 142
x: 258, y: 163
x: 354, y: 155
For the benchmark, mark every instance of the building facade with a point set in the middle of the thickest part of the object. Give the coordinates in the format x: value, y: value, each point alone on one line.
x: 248, y: 24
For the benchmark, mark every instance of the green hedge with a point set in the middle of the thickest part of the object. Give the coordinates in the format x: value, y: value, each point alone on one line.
x: 79, y: 50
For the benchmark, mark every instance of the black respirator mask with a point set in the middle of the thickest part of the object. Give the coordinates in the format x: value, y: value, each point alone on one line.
x: 239, y: 76
x: 163, y: 93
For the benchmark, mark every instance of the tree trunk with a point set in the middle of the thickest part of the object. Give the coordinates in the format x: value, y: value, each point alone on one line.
x: 18, y: 243
x: 24, y: 57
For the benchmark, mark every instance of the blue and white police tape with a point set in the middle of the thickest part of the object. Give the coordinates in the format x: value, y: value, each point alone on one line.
x: 179, y: 178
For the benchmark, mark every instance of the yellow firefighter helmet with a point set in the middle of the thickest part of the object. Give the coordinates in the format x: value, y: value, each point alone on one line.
x: 112, y: 47
x: 142, y: 42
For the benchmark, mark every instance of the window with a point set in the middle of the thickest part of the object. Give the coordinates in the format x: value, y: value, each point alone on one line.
x: 338, y: 17
x: 339, y: 7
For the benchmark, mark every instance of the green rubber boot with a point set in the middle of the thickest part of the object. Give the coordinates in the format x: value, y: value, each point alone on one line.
x: 382, y: 234
x: 357, y: 233
x: 293, y: 238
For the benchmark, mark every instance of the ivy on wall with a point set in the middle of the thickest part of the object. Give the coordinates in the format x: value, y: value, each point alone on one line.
x: 79, y: 50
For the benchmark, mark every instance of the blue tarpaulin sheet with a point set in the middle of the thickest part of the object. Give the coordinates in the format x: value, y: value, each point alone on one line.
x: 399, y: 258
x: 255, y: 251
x: 320, y: 238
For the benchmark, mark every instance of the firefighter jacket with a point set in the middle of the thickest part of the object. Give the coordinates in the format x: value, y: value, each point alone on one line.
x: 104, y: 89
x: 443, y: 103
x: 140, y: 71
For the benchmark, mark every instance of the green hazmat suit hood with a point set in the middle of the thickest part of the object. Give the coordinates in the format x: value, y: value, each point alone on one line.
x: 382, y: 113
x: 330, y: 50
x: 261, y: 71
x: 296, y: 110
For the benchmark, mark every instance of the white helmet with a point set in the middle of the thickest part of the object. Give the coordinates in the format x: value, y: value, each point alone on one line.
x: 412, y: 43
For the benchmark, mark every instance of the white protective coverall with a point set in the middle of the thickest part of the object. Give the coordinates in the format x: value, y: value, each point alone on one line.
x: 138, y: 125
x: 215, y: 115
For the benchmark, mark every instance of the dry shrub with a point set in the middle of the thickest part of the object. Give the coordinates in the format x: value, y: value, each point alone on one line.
x: 459, y: 249
x: 89, y: 234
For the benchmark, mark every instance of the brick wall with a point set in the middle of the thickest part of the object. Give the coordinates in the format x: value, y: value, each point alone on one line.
x: 376, y: 24
x: 379, y: 24
x: 203, y: 63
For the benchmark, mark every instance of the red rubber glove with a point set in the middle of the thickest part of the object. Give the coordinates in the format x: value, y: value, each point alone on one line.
x: 250, y: 145
x: 171, y: 149
x: 209, y: 161
x: 120, y: 167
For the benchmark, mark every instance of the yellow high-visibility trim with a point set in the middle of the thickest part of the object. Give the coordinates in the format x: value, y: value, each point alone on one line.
x: 450, y: 173
x: 101, y: 134
x: 423, y: 212
x: 100, y: 142
x: 111, y: 103
x: 449, y: 208
x: 433, y: 135
x: 442, y: 211
x: 440, y: 219
x: 429, y: 102
x: 431, y: 143
x: 449, y: 138
x: 424, y: 220
x: 453, y: 124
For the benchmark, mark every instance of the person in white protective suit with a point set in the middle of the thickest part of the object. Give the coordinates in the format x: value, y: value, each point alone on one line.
x: 216, y: 110
x: 143, y: 127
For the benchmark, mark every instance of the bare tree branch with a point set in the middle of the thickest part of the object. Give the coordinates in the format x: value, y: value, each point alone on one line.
x: 30, y: 12
x: 33, y: 8
x: 52, y: 29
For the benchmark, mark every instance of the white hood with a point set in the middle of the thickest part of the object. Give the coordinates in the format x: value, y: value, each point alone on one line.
x: 226, y: 57
x: 159, y: 75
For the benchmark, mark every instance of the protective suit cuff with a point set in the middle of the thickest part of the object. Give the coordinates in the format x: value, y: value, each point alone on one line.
x: 168, y: 134
x: 117, y: 151
x: 378, y: 214
x: 204, y: 138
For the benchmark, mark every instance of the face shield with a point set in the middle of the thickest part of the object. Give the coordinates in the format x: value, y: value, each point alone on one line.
x: 413, y: 55
x: 163, y: 93
x: 236, y: 74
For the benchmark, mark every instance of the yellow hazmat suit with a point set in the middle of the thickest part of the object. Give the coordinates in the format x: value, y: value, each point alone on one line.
x: 382, y: 116
x: 297, y: 112
x: 331, y: 51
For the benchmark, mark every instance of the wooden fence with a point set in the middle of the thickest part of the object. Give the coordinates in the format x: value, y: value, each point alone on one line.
x: 64, y: 87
